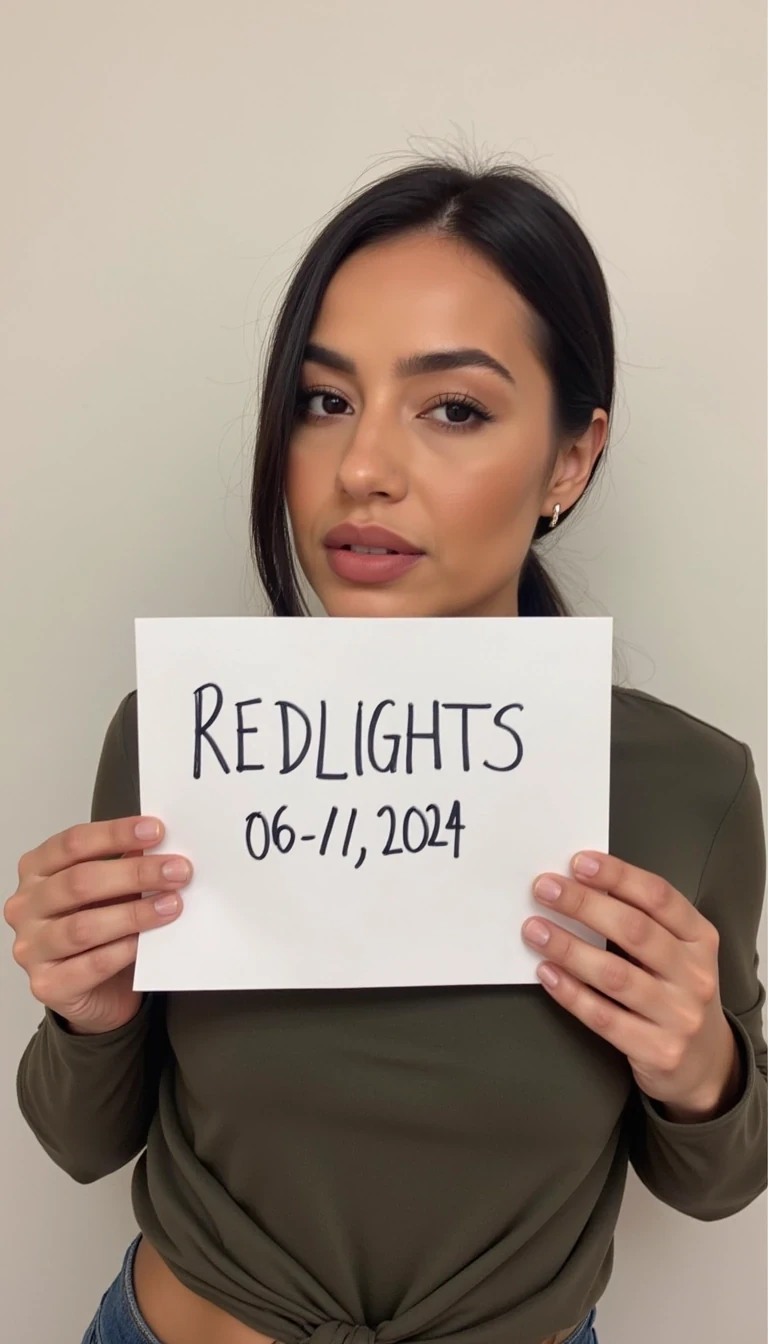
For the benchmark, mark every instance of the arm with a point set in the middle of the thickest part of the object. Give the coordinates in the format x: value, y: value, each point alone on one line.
x: 89, y: 1099
x: 715, y: 1168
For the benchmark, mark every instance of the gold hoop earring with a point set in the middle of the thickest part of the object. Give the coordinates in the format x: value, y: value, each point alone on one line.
x: 555, y: 517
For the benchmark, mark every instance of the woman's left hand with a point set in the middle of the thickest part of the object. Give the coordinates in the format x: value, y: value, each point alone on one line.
x: 662, y: 1007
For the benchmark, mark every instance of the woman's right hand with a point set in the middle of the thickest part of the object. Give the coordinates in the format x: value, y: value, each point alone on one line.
x: 77, y: 914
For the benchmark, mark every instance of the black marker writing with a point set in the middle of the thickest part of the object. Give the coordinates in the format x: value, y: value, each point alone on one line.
x: 321, y: 772
x: 497, y: 720
x: 288, y: 764
x: 201, y: 729
x: 417, y: 830
x: 241, y: 732
x: 465, y: 708
x: 433, y: 737
x: 391, y: 737
x: 321, y: 740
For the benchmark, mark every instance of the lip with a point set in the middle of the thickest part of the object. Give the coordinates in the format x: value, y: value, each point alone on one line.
x: 360, y: 568
x: 370, y: 534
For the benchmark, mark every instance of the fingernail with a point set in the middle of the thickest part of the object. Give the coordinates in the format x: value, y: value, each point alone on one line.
x: 547, y: 889
x: 167, y: 905
x: 585, y: 866
x: 537, y: 933
x: 176, y: 870
x: 146, y: 830
x: 549, y: 976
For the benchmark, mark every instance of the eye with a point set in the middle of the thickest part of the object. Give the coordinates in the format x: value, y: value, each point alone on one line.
x: 461, y: 412
x: 320, y: 403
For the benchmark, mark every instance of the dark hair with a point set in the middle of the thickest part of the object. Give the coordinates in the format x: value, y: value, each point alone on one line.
x: 509, y: 216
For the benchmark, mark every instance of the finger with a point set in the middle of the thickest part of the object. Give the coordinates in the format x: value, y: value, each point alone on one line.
x: 103, y: 880
x: 610, y: 974
x: 87, y: 929
x: 116, y: 900
x: 89, y: 840
x: 637, y: 933
x: 66, y: 980
x: 633, y: 1035
x: 646, y: 891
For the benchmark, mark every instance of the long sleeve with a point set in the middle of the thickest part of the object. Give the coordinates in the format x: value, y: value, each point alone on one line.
x: 89, y: 1099
x: 715, y: 1168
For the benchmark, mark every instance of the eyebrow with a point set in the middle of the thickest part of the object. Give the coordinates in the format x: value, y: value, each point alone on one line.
x: 434, y: 361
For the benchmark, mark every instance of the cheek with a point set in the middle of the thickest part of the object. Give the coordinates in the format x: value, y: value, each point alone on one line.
x: 305, y: 488
x: 487, y: 507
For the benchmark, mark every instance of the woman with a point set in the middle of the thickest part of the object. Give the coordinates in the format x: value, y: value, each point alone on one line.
x: 423, y: 1163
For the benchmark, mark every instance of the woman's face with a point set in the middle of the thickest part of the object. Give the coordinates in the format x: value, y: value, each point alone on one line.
x: 454, y: 456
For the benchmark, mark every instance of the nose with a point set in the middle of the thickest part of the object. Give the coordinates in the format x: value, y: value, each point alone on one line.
x: 373, y: 463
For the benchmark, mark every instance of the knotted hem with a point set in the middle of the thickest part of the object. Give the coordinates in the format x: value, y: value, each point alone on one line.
x: 342, y: 1332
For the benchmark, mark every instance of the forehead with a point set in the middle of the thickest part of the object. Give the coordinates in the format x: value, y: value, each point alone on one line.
x: 422, y: 291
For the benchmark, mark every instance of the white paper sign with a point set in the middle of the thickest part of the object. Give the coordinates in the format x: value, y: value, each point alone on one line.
x: 367, y: 801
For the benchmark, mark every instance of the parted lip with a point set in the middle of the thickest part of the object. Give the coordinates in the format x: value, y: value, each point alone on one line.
x: 347, y: 534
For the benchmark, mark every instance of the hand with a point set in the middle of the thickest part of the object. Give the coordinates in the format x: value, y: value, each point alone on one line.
x: 77, y: 915
x: 672, y: 1028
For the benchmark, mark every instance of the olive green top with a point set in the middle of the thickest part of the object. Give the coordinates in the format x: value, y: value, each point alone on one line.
x: 421, y: 1163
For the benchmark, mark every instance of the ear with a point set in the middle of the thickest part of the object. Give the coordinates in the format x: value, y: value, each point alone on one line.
x: 573, y: 465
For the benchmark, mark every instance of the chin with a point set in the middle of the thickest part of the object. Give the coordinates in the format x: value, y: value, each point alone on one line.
x: 378, y: 601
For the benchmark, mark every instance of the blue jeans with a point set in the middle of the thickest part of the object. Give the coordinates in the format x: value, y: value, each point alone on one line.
x: 119, y: 1321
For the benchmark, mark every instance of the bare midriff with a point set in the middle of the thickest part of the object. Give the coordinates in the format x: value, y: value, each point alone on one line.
x: 176, y: 1314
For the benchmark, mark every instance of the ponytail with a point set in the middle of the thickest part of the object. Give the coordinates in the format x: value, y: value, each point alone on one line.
x: 538, y: 594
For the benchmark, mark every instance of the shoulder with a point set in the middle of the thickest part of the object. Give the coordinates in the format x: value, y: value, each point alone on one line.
x: 128, y: 711
x: 125, y: 727
x: 674, y: 778
x: 116, y: 787
x: 643, y: 725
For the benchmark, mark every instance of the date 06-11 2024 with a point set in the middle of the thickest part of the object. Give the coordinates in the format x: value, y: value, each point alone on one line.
x: 418, y: 829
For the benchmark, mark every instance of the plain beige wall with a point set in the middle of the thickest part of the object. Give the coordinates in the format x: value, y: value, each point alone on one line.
x: 162, y: 166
